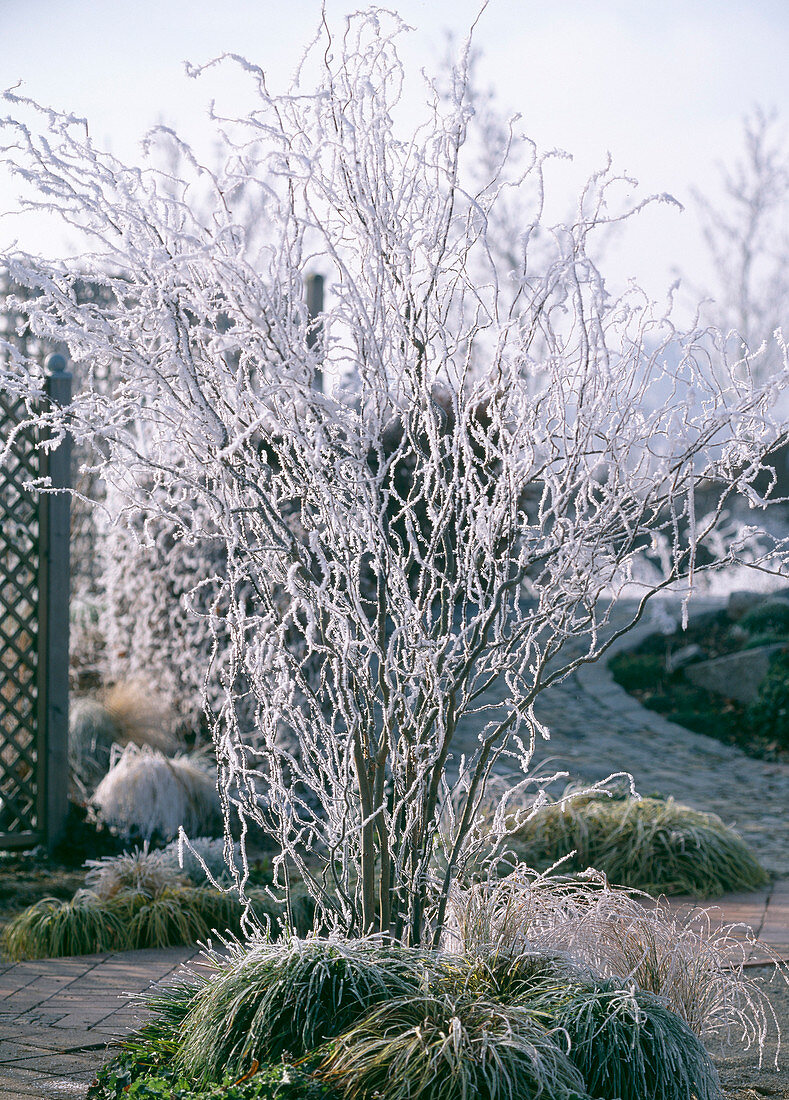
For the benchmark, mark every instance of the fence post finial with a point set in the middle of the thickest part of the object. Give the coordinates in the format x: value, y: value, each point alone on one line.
x: 56, y: 363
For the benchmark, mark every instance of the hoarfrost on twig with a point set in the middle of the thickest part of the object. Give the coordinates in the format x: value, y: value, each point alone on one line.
x: 442, y: 535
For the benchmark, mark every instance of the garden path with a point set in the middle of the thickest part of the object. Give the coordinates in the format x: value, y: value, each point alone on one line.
x: 598, y: 729
x: 58, y: 1015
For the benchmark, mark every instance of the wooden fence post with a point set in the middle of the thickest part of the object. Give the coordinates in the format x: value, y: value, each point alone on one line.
x: 53, y: 670
x: 314, y: 310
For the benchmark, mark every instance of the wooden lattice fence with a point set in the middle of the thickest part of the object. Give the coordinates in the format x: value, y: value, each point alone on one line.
x: 34, y: 587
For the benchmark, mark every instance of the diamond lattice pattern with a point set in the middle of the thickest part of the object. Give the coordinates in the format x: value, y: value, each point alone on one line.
x: 19, y: 559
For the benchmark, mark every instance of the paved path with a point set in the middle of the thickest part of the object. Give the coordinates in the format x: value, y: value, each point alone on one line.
x: 762, y: 913
x: 597, y: 729
x: 57, y: 1015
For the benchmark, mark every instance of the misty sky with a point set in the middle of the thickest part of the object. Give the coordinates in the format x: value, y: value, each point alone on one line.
x: 662, y: 85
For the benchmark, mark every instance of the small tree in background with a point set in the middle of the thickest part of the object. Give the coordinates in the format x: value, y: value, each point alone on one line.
x: 746, y: 231
x: 452, y: 524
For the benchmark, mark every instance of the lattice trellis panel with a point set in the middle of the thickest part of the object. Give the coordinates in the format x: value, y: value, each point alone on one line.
x: 21, y: 784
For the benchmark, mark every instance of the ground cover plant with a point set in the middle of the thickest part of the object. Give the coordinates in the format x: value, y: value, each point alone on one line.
x: 760, y: 728
x: 651, y: 844
x: 143, y: 1078
x: 769, y: 712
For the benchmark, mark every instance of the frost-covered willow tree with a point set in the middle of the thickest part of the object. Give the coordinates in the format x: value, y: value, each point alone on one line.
x: 439, y: 537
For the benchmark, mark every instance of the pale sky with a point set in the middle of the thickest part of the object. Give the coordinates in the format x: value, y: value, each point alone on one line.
x: 662, y: 84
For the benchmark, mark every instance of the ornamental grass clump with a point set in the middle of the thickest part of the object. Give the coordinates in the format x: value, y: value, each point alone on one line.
x: 506, y: 978
x: 660, y: 847
x: 51, y: 928
x: 182, y: 916
x: 125, y: 922
x: 628, y: 1046
x: 452, y: 1048
x: 269, y: 1000
x: 139, y: 899
x: 146, y: 793
x: 193, y: 862
x: 140, y: 871
x: 166, y: 1008
x: 695, y: 968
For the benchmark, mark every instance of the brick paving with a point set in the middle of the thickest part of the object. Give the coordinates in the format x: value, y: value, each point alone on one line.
x: 762, y: 913
x: 57, y: 1016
